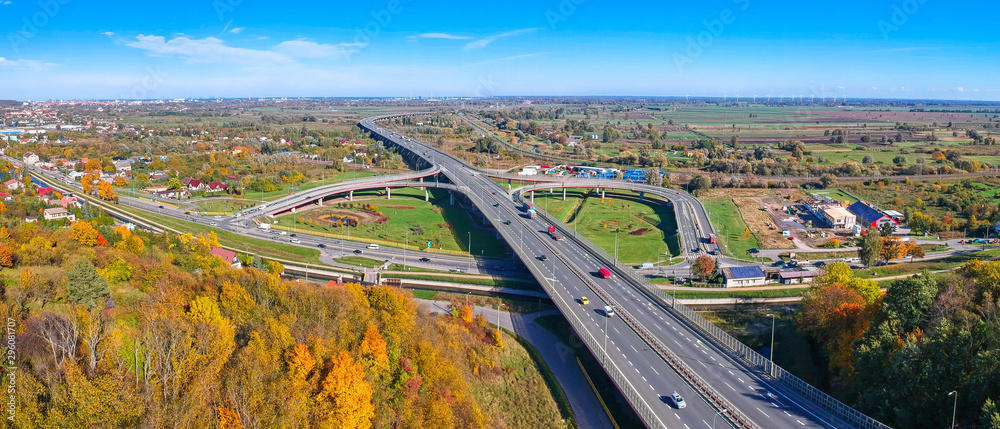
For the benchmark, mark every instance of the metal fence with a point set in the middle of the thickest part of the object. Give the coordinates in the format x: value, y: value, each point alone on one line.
x: 734, y: 347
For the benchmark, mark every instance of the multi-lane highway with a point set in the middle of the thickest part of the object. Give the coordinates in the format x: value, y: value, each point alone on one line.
x: 648, y: 350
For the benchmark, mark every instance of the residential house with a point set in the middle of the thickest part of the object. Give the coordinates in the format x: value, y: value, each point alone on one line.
x: 797, y: 275
x: 159, y: 176
x: 45, y: 191
x: 30, y: 158
x: 123, y: 166
x: 195, y: 185
x: 69, y: 201
x: 13, y: 185
x: 58, y: 213
x: 228, y: 256
x: 216, y: 187
x: 5, y: 196
x: 744, y: 276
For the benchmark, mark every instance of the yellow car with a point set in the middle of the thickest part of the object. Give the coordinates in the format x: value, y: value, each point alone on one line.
x: 584, y: 301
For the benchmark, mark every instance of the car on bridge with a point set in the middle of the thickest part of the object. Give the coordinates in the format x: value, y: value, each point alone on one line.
x: 678, y: 400
x: 608, y: 311
x: 584, y: 300
x: 604, y: 273
x: 542, y: 258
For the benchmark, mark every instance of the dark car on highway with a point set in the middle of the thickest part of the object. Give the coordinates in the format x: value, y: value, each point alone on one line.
x: 358, y: 252
x: 425, y: 259
x: 322, y: 246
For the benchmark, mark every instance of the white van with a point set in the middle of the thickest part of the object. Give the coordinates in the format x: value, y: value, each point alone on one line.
x: 646, y: 265
x: 373, y: 246
x: 608, y: 311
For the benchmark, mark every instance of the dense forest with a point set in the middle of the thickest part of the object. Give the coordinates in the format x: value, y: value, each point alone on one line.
x: 899, y: 355
x: 115, y: 328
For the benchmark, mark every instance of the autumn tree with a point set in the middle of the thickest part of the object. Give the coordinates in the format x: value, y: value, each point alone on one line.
x: 703, y: 266
x: 84, y: 285
x: 174, y: 184
x: 344, y: 400
x: 300, y: 362
x: 120, y: 181
x: 87, y: 183
x: 373, y: 351
x: 84, y: 233
x: 105, y: 190
x: 6, y: 256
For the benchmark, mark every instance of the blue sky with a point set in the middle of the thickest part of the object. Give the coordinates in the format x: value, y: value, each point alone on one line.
x: 64, y: 49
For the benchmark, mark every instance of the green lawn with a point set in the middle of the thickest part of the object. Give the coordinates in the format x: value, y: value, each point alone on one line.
x: 836, y: 195
x: 729, y: 293
x: 224, y: 205
x: 730, y: 228
x: 597, y: 222
x: 447, y: 227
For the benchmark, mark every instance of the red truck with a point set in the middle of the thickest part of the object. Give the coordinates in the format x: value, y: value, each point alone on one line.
x: 604, y: 273
x: 552, y: 233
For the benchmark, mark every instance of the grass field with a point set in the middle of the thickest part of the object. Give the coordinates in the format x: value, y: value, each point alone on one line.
x: 596, y: 221
x: 746, y: 294
x: 730, y: 228
x: 523, y: 396
x: 448, y: 227
x: 224, y: 205
x: 835, y: 194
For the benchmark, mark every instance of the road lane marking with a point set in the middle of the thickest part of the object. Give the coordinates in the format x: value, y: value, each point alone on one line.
x: 762, y: 412
x: 800, y: 422
x: 730, y: 386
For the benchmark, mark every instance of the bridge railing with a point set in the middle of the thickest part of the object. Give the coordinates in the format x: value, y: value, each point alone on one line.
x: 733, y: 346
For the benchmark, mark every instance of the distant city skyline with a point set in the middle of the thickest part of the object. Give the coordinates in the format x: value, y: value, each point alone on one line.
x: 61, y: 49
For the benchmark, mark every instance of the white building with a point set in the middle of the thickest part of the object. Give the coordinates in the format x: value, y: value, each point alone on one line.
x: 839, y: 217
x: 58, y: 213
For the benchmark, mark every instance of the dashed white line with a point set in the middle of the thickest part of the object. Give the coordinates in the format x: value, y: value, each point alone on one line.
x: 731, y: 387
x: 762, y: 412
x: 800, y: 422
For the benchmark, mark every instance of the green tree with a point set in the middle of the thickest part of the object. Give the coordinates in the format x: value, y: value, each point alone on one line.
x: 84, y: 285
x: 870, y: 247
x: 174, y: 184
x: 611, y: 134
x: 699, y: 182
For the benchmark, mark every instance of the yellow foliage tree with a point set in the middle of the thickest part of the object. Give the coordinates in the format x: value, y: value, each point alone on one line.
x: 84, y: 233
x: 344, y: 400
x: 120, y: 181
x: 373, y: 351
x: 105, y: 190
x: 87, y: 182
x: 300, y: 362
x: 228, y: 419
x: 205, y: 309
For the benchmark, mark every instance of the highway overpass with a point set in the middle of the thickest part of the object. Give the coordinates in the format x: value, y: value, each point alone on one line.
x: 654, y: 346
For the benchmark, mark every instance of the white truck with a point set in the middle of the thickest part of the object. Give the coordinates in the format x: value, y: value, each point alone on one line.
x: 265, y: 226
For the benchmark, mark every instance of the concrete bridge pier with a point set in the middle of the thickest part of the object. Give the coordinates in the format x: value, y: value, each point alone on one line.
x: 451, y: 198
x: 350, y: 195
x: 532, y: 197
x: 388, y: 193
x: 641, y: 194
x: 508, y: 183
x: 564, y: 194
x: 427, y: 195
x: 602, y: 194
x: 422, y: 181
x: 293, y: 209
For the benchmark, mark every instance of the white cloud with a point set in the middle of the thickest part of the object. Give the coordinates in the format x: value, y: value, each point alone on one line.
x: 439, y: 36
x: 237, y: 30
x: 214, y: 50
x: 207, y: 50
x: 960, y: 89
x: 5, y: 3
x: 108, y: 33
x: 33, y: 65
x: 482, y: 43
x: 308, y: 49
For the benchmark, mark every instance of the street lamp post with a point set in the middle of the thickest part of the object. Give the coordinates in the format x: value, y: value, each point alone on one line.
x: 954, y: 407
x: 717, y: 416
x: 772, y: 344
x: 470, y: 251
